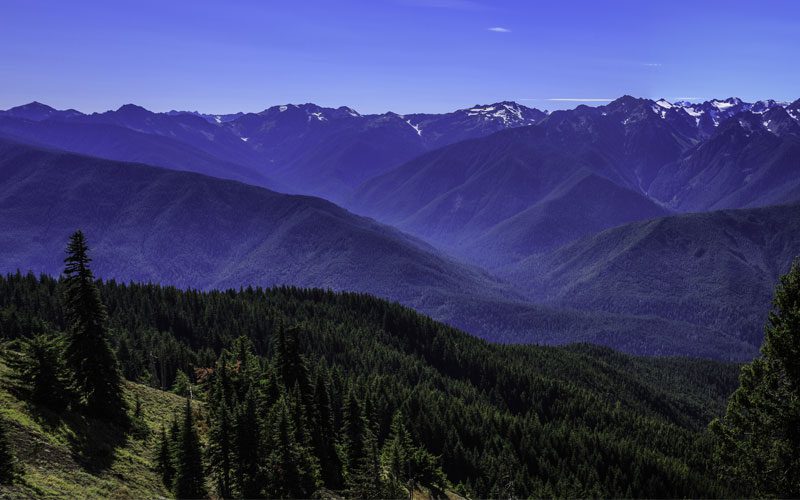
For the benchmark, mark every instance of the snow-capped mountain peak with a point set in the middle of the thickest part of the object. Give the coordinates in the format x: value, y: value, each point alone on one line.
x: 509, y: 113
x: 710, y: 114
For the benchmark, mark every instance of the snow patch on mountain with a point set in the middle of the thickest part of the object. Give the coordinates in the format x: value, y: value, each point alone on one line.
x: 718, y: 110
x: 415, y: 127
x: 721, y: 104
x: 664, y: 104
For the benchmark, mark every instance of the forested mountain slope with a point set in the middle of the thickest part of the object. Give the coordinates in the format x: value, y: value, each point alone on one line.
x: 172, y: 227
x: 156, y: 225
x: 506, y: 420
x: 752, y: 160
x: 459, y: 193
x: 714, y: 269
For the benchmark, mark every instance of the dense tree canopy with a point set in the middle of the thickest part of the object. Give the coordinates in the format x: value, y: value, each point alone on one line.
x: 498, y: 420
x: 759, y: 436
x: 299, y: 390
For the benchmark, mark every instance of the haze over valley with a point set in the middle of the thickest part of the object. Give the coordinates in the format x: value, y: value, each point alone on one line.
x: 515, y: 224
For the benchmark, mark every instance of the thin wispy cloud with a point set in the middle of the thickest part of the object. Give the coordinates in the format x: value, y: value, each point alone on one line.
x: 651, y: 65
x: 688, y: 98
x: 499, y: 29
x: 446, y: 4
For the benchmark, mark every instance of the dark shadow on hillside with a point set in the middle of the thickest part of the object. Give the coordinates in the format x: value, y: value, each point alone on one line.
x: 92, y: 442
x: 95, y: 445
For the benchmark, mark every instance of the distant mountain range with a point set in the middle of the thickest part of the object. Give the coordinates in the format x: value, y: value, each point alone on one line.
x: 522, y: 192
x: 520, y: 225
x: 130, y: 134
x: 303, y: 148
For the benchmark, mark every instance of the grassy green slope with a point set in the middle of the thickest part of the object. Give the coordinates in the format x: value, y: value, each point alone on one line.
x: 70, y: 456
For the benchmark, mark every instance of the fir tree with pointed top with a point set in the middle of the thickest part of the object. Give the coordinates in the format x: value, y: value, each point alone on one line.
x: 269, y: 388
x: 324, y: 435
x: 425, y: 468
x: 220, y: 453
x: 397, y: 450
x: 366, y: 479
x: 174, y: 433
x: 365, y: 476
x: 352, y: 433
x: 182, y: 385
x: 291, y: 472
x: 189, y: 475
x: 299, y: 416
x: 361, y: 449
x: 221, y: 431
x: 758, y: 439
x: 38, y: 369
x: 247, y: 445
x: 88, y: 354
x: 164, y: 459
x: 244, y: 366
x: 289, y: 363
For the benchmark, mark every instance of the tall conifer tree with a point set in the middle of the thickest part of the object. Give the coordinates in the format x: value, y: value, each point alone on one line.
x: 38, y: 369
x: 323, y: 435
x: 397, y: 450
x: 189, y: 475
x: 291, y: 468
x: 248, y: 442
x: 289, y: 363
x: 88, y: 354
x: 220, y: 439
x: 164, y: 459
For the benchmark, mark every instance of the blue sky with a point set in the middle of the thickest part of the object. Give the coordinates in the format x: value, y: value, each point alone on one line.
x: 400, y: 55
